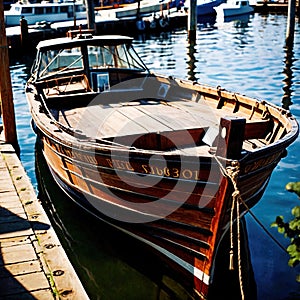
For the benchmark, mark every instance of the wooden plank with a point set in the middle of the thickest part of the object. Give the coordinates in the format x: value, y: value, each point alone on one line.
x: 258, y: 129
x: 149, y: 122
x: 174, y: 118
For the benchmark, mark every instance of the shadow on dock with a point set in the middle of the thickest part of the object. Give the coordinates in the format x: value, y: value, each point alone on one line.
x: 21, y: 273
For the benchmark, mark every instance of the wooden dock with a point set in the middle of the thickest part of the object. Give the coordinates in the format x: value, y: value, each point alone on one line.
x: 33, y: 264
x: 125, y: 26
x: 274, y: 6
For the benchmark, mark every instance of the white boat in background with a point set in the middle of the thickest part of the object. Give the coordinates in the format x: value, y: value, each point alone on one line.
x: 233, y: 8
x: 144, y: 8
x: 45, y: 11
x: 205, y: 7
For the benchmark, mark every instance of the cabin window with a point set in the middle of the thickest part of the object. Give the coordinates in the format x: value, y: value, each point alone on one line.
x: 128, y: 58
x: 26, y: 10
x: 48, y: 10
x: 39, y: 10
x: 64, y: 9
x: 55, y: 9
x: 79, y: 8
x: 100, y: 57
x: 119, y: 56
x: 60, y: 61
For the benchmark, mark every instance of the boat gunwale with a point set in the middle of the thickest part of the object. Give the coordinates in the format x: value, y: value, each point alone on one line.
x: 278, y: 113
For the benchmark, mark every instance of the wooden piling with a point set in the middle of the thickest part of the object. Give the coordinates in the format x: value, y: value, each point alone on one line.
x: 24, y: 32
x: 6, y: 95
x: 192, y: 20
x: 290, y: 23
x: 90, y: 14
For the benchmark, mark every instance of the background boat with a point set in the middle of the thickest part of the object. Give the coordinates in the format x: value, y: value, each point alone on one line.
x: 233, y: 8
x: 140, y: 8
x: 205, y: 7
x: 45, y: 11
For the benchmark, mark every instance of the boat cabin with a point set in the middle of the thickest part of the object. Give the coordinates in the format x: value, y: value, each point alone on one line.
x: 96, y: 62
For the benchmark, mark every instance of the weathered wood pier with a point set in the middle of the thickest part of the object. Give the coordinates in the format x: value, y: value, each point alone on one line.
x: 266, y: 6
x: 33, y: 263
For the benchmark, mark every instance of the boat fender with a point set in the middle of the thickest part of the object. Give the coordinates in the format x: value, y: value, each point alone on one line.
x: 163, y: 22
x: 140, y: 24
x: 153, y: 24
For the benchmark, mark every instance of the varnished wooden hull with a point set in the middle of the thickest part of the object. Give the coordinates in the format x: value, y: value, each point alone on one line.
x: 186, y: 229
x: 171, y: 162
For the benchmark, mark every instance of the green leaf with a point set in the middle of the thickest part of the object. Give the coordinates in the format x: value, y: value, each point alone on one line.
x: 295, y: 226
x: 294, y: 255
x: 296, y: 211
x: 293, y: 262
x: 274, y: 224
x: 293, y: 187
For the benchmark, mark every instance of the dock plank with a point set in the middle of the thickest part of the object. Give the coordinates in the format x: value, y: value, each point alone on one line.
x: 27, y: 262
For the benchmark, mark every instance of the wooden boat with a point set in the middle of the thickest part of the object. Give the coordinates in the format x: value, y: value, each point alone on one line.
x: 171, y: 162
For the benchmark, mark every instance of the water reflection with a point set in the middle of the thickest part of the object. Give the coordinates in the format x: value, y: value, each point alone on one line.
x: 288, y: 80
x: 239, y: 21
x: 191, y: 50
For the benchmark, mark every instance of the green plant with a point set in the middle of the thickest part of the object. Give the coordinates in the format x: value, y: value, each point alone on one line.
x: 291, y: 229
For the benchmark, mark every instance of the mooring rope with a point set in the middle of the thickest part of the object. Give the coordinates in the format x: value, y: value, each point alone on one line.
x: 227, y: 174
x: 232, y: 172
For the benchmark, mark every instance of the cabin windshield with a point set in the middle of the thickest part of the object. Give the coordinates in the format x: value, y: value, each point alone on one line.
x: 55, y: 62
x: 116, y: 56
x: 59, y: 61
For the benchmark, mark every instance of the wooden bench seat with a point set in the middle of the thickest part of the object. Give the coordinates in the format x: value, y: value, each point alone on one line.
x: 65, y: 85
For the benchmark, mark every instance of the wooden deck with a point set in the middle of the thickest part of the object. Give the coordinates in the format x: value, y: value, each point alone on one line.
x: 33, y: 264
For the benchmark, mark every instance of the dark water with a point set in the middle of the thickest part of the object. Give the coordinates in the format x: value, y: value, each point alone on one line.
x: 247, y: 56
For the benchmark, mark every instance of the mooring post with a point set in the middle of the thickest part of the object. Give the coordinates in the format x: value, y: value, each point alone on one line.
x: 6, y: 95
x: 90, y: 14
x: 74, y: 14
x: 231, y: 137
x: 290, y: 23
x: 24, y: 32
x: 192, y: 20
